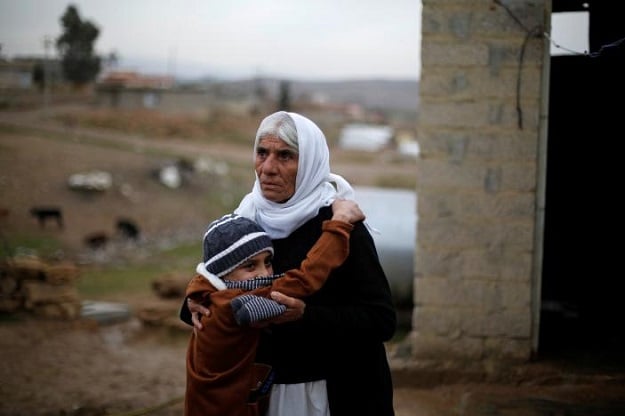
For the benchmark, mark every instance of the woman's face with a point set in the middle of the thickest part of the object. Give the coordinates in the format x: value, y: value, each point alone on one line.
x: 276, y: 167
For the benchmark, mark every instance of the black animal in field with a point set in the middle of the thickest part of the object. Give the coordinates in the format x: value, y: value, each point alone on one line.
x: 96, y: 240
x: 45, y: 214
x: 4, y: 213
x: 128, y: 229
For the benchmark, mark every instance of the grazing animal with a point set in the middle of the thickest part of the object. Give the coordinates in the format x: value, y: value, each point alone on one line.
x: 128, y: 229
x: 43, y: 214
x: 96, y: 240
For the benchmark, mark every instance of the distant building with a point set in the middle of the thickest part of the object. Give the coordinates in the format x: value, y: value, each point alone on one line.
x: 16, y: 74
x: 359, y: 136
x: 407, y: 144
x: 134, y: 80
x: 132, y: 91
x: 128, y: 89
x: 19, y: 73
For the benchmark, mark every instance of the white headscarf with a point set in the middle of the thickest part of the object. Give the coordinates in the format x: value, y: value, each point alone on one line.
x: 315, y: 186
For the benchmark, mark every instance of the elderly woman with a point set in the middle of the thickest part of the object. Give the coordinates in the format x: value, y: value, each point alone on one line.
x: 327, y: 351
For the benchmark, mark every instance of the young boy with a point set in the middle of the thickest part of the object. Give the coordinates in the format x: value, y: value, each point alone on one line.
x: 235, y: 281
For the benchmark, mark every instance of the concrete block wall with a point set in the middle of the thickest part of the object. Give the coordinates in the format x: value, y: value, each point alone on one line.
x: 478, y: 179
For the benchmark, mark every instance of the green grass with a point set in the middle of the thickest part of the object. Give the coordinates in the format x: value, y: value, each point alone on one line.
x: 109, y: 282
x: 44, y: 247
x: 104, y: 282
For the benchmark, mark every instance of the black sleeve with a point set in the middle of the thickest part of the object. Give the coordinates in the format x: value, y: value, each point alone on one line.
x: 185, y: 313
x: 358, y: 297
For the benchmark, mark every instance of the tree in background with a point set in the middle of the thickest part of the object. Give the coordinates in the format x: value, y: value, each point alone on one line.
x: 284, y: 102
x: 80, y: 64
x: 39, y: 75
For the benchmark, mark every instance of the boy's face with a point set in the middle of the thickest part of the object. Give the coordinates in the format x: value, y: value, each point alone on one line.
x: 257, y: 266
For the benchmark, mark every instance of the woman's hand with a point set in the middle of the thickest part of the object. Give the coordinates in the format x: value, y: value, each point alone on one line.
x: 294, y: 310
x: 197, y: 310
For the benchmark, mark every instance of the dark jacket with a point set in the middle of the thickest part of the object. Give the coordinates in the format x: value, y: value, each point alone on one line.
x: 345, y: 324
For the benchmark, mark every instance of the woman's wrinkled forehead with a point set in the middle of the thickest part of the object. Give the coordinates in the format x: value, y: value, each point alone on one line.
x: 278, y: 125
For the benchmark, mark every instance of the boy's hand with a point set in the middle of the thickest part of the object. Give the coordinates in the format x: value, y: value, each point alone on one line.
x: 197, y: 311
x: 347, y: 211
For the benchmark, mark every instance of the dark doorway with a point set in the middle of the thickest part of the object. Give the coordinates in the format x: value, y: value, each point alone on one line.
x: 582, y: 278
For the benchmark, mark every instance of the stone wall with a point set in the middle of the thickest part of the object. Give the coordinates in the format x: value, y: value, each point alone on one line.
x: 479, y: 174
x: 47, y: 289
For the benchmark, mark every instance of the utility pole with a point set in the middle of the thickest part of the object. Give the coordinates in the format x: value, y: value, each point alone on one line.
x: 171, y: 62
x: 47, y: 42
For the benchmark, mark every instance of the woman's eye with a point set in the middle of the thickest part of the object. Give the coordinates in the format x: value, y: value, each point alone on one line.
x: 286, y: 156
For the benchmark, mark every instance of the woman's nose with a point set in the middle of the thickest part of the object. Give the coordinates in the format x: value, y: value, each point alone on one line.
x: 269, y: 165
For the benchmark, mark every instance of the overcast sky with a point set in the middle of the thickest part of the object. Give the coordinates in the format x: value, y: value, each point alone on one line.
x: 296, y: 39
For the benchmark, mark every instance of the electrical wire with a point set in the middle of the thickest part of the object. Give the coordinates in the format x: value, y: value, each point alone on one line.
x: 539, y: 32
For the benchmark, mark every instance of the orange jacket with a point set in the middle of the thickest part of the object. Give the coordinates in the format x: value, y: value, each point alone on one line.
x: 222, y: 377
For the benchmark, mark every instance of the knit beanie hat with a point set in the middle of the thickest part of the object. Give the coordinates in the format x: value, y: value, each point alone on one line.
x: 230, y: 241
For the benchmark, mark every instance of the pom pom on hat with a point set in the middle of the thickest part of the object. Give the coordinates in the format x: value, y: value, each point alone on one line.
x: 231, y: 240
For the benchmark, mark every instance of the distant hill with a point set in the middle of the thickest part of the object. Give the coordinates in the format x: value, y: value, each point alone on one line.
x: 371, y: 94
x: 397, y: 95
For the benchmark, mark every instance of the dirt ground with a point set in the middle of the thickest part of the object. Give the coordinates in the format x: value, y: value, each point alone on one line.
x: 54, y: 368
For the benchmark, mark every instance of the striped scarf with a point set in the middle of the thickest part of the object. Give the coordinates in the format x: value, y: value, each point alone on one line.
x: 250, y: 308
